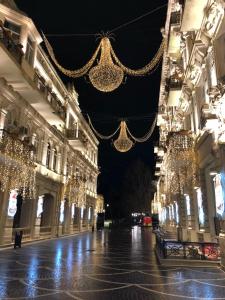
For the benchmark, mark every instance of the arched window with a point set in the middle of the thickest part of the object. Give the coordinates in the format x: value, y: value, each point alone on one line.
x: 48, y: 156
x: 54, y: 159
x: 67, y: 168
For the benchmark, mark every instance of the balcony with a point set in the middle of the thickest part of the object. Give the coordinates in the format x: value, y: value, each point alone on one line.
x: 174, y: 87
x: 50, y: 97
x: 175, y: 18
x: 24, y: 80
x: 14, y: 49
x: 193, y: 15
x: 77, y: 139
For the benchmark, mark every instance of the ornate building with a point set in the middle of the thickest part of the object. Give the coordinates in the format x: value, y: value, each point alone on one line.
x: 190, y: 165
x: 48, y: 154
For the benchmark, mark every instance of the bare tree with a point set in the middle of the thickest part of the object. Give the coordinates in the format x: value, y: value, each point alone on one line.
x: 137, y: 188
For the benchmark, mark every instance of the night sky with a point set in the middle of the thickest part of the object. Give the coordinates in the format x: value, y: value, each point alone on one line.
x: 135, y: 45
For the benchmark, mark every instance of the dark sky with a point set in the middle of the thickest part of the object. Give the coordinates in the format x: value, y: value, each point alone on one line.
x: 135, y: 45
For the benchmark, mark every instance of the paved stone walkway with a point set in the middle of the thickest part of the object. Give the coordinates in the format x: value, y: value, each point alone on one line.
x: 119, y: 265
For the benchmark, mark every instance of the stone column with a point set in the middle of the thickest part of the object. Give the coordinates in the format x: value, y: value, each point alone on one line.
x: 58, y: 163
x: 3, y: 215
x: 92, y: 222
x: 23, y: 37
x: 35, y: 228
x: 78, y: 217
x: 35, y: 45
x: 64, y: 161
x: 2, y: 121
x: 67, y: 216
x: 222, y: 222
x: 52, y: 159
x: 85, y: 217
x: 44, y: 152
x: 182, y: 229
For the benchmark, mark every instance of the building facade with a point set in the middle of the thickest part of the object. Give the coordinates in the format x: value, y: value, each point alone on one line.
x: 190, y: 167
x: 48, y: 153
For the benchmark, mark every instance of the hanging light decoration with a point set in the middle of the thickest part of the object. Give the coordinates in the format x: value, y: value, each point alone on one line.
x: 123, y: 143
x: 108, y: 74
x: 75, y: 190
x: 17, y: 168
x: 181, y: 163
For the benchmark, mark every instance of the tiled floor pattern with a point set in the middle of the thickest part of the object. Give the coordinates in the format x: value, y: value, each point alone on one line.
x: 119, y: 265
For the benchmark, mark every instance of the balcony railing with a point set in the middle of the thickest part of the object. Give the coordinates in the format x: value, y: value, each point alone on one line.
x: 175, y: 18
x: 60, y: 135
x: 173, y: 83
x: 187, y: 250
x: 10, y: 44
x: 51, y: 97
x: 74, y: 134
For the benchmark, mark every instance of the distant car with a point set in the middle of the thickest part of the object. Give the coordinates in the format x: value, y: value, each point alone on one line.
x: 146, y: 221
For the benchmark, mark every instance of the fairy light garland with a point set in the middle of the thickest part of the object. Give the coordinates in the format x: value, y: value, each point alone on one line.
x: 146, y: 69
x: 181, y: 162
x: 17, y: 168
x: 75, y: 190
x: 108, y: 74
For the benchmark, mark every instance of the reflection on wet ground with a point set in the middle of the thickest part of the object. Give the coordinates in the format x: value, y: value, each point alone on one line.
x: 118, y: 264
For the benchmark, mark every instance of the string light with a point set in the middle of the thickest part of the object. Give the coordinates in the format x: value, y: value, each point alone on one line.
x: 146, y: 136
x: 17, y: 168
x: 107, y: 75
x: 101, y: 136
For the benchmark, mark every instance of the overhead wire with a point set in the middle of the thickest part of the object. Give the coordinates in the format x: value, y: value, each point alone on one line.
x: 138, y: 18
x: 110, y: 31
x: 102, y: 118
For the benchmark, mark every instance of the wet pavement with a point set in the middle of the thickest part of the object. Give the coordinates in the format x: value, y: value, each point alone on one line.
x: 119, y: 265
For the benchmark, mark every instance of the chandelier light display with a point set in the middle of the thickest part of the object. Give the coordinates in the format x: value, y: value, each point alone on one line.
x: 17, y: 168
x: 126, y: 139
x: 181, y: 162
x: 123, y: 143
x: 108, y: 74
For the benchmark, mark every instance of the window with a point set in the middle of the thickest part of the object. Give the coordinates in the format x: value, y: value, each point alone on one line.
x: 12, y: 208
x: 36, y: 148
x: 55, y: 160
x: 176, y: 212
x: 163, y: 215
x: 219, y: 197
x: 89, y: 213
x: 201, y: 217
x: 14, y: 28
x: 40, y: 206
x: 188, y: 204
x: 81, y: 212
x: 48, y: 156
x: 29, y: 51
x: 73, y: 210
x: 171, y: 217
x: 62, y: 208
